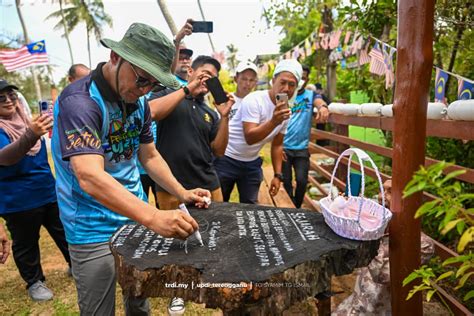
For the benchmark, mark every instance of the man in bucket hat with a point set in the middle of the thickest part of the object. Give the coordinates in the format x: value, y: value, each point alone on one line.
x: 102, y: 128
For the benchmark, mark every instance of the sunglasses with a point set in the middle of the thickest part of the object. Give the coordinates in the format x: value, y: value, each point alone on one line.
x: 11, y: 95
x: 142, y: 82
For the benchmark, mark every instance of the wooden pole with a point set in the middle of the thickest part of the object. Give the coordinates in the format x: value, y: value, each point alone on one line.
x: 414, y: 63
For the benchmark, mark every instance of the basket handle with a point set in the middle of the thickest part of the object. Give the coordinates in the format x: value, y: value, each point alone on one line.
x: 361, y: 156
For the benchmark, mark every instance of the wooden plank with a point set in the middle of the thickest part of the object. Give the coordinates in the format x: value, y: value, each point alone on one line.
x: 318, y: 185
x: 264, y: 197
x: 281, y: 199
x: 369, y: 171
x: 311, y: 203
x: 388, y: 152
x: 436, y: 128
x: 338, y: 183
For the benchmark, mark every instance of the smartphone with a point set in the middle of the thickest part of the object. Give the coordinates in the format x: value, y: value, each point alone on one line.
x: 43, y: 107
x: 215, y: 87
x: 282, y: 97
x: 202, y: 27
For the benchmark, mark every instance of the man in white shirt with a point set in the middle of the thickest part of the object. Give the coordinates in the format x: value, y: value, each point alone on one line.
x: 262, y: 120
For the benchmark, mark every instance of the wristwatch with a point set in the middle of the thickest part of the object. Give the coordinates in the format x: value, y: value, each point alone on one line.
x: 279, y: 176
x: 186, y: 90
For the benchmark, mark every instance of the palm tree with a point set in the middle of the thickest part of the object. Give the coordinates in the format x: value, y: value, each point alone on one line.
x: 62, y: 24
x: 167, y: 16
x: 232, y: 56
x: 91, y: 13
x: 27, y: 40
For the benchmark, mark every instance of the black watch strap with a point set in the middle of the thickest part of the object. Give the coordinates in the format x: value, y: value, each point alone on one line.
x: 279, y: 176
x: 186, y: 90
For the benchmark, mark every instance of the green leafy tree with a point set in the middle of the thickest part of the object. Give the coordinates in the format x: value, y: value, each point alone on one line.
x: 91, y: 13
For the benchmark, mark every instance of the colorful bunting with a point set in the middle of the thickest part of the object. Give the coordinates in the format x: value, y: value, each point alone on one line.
x: 388, y: 61
x: 440, y: 84
x: 377, y: 65
x: 465, y: 89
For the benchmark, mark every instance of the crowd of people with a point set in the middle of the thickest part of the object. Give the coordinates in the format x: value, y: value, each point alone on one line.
x: 136, y: 123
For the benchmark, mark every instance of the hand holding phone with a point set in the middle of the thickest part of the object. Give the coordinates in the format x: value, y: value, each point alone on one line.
x: 202, y: 26
x: 282, y: 100
x: 215, y: 87
x: 43, y: 107
x: 282, y: 111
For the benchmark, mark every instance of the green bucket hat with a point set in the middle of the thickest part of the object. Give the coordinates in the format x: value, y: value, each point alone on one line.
x: 147, y: 48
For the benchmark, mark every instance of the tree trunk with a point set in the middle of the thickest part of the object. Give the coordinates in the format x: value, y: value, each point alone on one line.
x: 66, y: 32
x: 27, y: 40
x: 168, y: 17
x: 89, y: 47
x: 414, y: 66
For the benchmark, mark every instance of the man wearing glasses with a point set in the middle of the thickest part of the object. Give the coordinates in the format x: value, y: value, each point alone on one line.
x: 183, y: 59
x: 102, y: 128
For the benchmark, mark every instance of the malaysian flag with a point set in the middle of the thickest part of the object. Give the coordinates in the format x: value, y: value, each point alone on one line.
x: 377, y: 65
x: 28, y: 55
x: 465, y: 89
x: 440, y: 85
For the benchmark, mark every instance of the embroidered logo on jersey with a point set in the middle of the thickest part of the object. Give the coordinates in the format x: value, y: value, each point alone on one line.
x: 207, y: 118
x: 123, y: 137
x: 85, y: 137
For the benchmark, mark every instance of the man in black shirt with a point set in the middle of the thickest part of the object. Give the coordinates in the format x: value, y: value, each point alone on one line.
x: 189, y: 132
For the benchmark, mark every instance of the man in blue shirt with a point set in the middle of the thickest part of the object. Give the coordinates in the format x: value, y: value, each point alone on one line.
x: 295, y: 143
x: 102, y: 130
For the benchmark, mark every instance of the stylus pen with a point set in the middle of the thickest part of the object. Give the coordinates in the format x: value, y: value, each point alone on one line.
x: 183, y: 208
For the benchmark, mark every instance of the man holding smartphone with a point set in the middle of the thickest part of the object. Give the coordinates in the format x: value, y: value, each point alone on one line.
x: 263, y: 119
x: 189, y: 133
x: 183, y: 58
x: 308, y: 104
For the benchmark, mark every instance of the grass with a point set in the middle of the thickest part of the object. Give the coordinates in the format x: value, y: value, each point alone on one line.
x: 14, y: 299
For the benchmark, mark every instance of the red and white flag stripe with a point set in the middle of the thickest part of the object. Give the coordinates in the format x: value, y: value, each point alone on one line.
x: 21, y: 58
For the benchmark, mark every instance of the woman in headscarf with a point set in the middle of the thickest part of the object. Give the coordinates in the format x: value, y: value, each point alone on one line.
x: 28, y: 198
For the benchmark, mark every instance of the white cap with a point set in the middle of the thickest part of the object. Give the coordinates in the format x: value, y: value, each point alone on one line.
x: 242, y: 66
x: 290, y: 65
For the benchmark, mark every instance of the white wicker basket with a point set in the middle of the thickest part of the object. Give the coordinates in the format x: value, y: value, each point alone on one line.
x: 350, y: 225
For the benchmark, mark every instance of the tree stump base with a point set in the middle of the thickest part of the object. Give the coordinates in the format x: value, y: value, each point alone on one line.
x: 256, y: 259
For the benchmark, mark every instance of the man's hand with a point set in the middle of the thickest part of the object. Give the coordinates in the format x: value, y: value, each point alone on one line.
x: 281, y: 113
x: 187, y: 29
x: 41, y: 125
x: 284, y: 157
x: 4, y: 245
x: 198, y: 86
x: 322, y: 115
x: 196, y: 196
x: 274, y: 186
x: 173, y: 224
x: 224, y: 108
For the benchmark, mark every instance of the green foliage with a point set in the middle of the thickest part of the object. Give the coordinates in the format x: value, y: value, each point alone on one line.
x: 372, y: 16
x: 449, y: 207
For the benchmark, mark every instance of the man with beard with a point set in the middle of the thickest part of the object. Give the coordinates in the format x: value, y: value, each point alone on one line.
x: 189, y: 132
x: 182, y: 60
